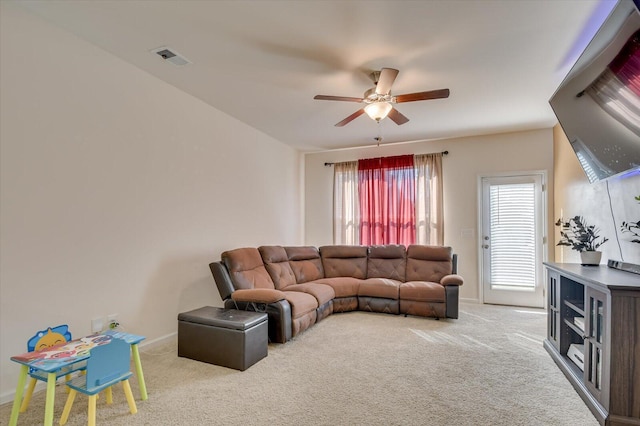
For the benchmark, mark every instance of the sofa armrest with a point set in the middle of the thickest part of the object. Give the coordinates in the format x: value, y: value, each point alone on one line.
x: 279, y: 314
x: 451, y: 294
x: 452, y: 279
x: 258, y: 295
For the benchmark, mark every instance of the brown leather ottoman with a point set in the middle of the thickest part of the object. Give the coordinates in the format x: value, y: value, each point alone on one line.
x: 226, y: 337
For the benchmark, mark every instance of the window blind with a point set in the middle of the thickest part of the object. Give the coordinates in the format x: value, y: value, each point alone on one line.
x: 512, y: 237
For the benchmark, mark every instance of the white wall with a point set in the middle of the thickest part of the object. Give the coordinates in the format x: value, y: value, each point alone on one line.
x: 117, y: 190
x: 468, y: 159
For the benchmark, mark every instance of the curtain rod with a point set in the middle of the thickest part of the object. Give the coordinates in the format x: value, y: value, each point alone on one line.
x: 443, y: 153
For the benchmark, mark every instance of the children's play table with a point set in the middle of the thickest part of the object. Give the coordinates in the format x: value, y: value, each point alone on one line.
x: 53, y: 359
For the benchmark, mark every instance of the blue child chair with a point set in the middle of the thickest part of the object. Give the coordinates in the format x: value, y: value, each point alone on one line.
x: 44, y: 339
x: 107, y: 365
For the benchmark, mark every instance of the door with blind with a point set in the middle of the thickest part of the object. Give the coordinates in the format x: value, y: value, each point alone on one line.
x: 512, y: 240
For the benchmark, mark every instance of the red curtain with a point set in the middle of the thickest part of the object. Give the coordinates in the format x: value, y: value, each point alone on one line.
x: 387, y: 200
x: 626, y: 65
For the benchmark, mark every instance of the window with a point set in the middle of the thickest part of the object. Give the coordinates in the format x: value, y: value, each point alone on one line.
x: 513, y: 235
x: 389, y: 200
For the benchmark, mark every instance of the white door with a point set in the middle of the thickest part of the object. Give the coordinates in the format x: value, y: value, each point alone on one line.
x: 512, y: 240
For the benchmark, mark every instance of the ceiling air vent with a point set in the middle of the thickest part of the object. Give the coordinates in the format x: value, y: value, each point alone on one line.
x: 171, y: 55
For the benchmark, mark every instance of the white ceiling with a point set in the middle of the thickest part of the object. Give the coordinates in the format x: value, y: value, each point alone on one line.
x: 263, y: 61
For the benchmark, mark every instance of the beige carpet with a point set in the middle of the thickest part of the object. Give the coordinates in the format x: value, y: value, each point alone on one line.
x: 487, y: 368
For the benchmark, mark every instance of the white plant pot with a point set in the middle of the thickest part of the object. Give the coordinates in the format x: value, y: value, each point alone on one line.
x: 590, y: 257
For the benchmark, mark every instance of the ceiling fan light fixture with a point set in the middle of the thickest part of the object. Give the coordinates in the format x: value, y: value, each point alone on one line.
x: 379, y: 100
x: 378, y: 110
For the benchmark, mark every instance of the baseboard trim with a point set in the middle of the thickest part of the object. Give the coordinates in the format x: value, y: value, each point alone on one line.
x: 465, y: 300
x: 145, y: 345
x: 158, y: 341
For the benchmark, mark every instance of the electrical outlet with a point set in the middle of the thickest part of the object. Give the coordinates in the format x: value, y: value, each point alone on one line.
x: 112, y: 321
x: 97, y: 325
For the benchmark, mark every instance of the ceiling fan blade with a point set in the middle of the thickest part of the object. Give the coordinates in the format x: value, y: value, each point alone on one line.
x: 385, y: 81
x: 397, y: 117
x: 336, y: 98
x: 423, y: 96
x: 350, y: 118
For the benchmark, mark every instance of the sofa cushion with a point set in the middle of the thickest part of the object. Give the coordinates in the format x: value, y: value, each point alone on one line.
x: 422, y: 291
x: 344, y: 261
x: 379, y: 287
x: 246, y: 268
x: 428, y: 263
x: 342, y: 286
x: 258, y: 295
x: 388, y: 261
x: 322, y: 292
x: 305, y: 263
x: 277, y: 265
x: 301, y: 303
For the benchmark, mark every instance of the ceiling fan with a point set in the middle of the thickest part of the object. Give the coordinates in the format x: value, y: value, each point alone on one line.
x: 379, y: 99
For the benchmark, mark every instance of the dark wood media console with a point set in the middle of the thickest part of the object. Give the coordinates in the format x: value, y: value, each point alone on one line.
x: 597, y: 309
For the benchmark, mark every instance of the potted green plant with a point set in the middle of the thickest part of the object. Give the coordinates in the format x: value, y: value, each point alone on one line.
x: 581, y: 237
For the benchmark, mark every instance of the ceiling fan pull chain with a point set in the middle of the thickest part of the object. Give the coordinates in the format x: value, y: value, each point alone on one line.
x: 379, y: 138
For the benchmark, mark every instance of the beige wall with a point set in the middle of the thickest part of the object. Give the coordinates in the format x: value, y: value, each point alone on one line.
x: 603, y: 204
x: 468, y: 159
x: 118, y: 190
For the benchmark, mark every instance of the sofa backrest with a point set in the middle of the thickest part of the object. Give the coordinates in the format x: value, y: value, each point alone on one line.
x: 277, y: 264
x: 246, y: 269
x: 305, y: 263
x: 428, y: 263
x: 344, y: 261
x: 222, y: 279
x: 388, y: 261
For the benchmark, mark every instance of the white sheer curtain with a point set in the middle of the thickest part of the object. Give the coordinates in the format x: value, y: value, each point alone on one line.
x: 429, y: 207
x: 346, y: 209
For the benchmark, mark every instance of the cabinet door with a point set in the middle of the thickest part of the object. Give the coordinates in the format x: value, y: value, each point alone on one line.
x: 553, y: 308
x: 596, y: 371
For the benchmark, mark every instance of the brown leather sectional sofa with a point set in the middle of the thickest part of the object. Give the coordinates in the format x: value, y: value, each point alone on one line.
x: 299, y: 286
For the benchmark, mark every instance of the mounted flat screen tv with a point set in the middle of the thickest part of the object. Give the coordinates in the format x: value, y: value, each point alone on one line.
x: 598, y: 102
